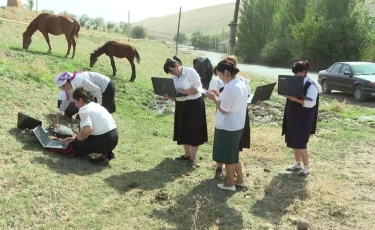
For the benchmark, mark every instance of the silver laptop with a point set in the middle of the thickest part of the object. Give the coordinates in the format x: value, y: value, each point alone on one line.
x: 45, y: 141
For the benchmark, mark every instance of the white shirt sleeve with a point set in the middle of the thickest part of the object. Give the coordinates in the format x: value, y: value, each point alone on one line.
x: 85, y: 119
x: 312, y: 92
x: 94, y: 89
x: 214, y: 84
x: 194, y: 79
x: 226, y: 99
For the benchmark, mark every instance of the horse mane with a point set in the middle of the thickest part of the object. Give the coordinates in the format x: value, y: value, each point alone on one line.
x: 33, y: 26
x: 99, y: 51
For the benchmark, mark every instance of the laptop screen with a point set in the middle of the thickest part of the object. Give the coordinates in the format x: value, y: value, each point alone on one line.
x: 27, y: 122
x: 41, y: 135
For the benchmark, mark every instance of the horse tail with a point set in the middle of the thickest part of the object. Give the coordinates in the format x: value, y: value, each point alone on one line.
x: 77, y: 27
x: 137, y: 56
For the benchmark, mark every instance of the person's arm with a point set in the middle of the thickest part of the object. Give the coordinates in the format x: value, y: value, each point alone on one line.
x: 93, y: 89
x: 64, y: 105
x: 195, y: 82
x: 86, y: 125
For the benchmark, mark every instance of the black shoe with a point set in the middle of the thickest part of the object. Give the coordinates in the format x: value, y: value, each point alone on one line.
x: 110, y: 156
x: 182, y: 158
x: 190, y: 163
x: 102, y: 160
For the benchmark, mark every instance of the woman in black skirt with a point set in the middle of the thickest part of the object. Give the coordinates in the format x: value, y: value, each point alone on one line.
x: 98, y: 135
x: 101, y: 87
x: 229, y: 123
x: 300, y: 118
x: 190, y: 126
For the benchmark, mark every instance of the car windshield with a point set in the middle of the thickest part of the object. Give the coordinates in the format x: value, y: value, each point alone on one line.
x: 364, y: 69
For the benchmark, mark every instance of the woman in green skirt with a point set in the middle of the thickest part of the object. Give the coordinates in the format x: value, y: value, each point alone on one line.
x: 230, y: 118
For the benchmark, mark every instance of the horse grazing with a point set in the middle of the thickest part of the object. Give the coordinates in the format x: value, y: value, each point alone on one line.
x: 205, y: 70
x: 55, y: 25
x: 119, y: 50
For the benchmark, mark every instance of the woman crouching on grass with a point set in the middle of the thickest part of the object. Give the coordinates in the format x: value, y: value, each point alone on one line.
x: 230, y: 118
x: 98, y: 135
x: 300, y: 119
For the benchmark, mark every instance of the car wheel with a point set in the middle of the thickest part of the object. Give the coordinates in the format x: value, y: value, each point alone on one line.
x: 325, y: 88
x: 358, y: 93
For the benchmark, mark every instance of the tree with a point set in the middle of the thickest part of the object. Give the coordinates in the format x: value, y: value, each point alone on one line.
x: 110, y: 26
x: 98, y: 23
x: 182, y: 38
x: 83, y: 20
x: 124, y: 26
x: 48, y: 11
x: 138, y: 32
x: 30, y: 4
x: 66, y: 13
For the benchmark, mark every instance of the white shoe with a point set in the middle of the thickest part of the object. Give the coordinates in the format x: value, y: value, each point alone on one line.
x: 305, y: 171
x: 221, y: 186
x: 243, y: 185
x: 297, y: 166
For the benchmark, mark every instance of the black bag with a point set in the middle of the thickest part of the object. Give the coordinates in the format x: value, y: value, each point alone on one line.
x: 61, y: 131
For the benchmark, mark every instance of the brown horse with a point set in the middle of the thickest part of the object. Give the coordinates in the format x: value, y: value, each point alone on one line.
x: 55, y: 25
x: 119, y: 50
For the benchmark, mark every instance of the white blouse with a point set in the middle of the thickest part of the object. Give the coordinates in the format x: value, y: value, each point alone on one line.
x: 97, y: 117
x: 216, y: 83
x: 312, y: 92
x: 95, y: 83
x: 189, y: 78
x: 233, y: 100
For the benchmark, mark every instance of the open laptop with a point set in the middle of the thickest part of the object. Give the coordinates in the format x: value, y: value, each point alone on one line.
x: 164, y: 86
x: 291, y: 86
x: 27, y: 122
x: 45, y: 141
x: 262, y: 93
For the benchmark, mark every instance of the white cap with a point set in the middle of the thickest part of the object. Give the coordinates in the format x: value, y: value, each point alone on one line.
x: 62, y: 78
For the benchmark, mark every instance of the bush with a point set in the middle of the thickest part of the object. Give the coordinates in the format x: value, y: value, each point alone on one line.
x: 138, y: 32
x: 281, y: 52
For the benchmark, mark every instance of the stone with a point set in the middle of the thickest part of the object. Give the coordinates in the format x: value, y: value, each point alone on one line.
x: 302, y: 225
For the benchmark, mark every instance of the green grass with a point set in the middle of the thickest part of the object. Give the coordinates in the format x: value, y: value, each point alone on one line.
x: 144, y: 188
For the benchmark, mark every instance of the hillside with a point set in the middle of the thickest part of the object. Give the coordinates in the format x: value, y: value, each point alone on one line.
x: 210, y: 20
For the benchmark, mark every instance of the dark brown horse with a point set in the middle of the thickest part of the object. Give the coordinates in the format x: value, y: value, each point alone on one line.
x: 55, y: 25
x: 119, y: 50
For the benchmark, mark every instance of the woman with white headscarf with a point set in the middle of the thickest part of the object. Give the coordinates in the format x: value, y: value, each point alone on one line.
x: 100, y: 86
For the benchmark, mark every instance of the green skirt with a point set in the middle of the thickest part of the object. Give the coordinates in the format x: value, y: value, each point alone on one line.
x: 225, y: 148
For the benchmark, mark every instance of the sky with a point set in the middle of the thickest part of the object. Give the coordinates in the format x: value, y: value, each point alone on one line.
x: 117, y: 10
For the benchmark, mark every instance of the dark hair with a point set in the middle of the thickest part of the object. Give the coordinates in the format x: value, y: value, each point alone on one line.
x: 301, y: 66
x: 228, y: 66
x: 80, y: 92
x: 171, y: 63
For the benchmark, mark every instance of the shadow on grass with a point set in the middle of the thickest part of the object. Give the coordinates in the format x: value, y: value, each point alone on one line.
x: 204, y: 207
x: 166, y: 171
x: 19, y: 49
x: 281, y: 192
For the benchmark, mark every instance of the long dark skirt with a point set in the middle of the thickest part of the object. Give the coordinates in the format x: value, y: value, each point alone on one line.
x: 108, y: 100
x: 245, y: 138
x: 225, y: 149
x: 190, y: 125
x: 104, y: 143
x: 71, y: 110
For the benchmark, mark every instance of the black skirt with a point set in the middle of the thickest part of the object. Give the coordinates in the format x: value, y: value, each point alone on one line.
x: 108, y: 100
x: 103, y: 144
x: 71, y: 110
x: 245, y: 138
x: 190, y: 125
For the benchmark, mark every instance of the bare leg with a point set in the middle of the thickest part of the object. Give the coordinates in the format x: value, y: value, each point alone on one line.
x: 45, y: 34
x: 304, y: 156
x: 230, y: 175
x: 113, y: 65
x: 297, y: 155
x: 193, y: 152
x: 238, y: 170
x: 187, y: 151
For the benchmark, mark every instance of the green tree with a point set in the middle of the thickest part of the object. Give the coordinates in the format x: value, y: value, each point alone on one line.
x: 30, y: 4
x: 83, y: 20
x: 66, y: 13
x: 110, y: 26
x: 182, y: 38
x: 98, y: 23
x: 124, y: 26
x: 138, y: 32
x: 48, y: 11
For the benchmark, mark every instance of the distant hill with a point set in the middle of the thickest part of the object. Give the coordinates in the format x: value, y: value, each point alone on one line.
x: 208, y: 20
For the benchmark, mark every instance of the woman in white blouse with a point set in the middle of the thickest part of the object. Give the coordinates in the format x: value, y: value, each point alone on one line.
x: 190, y: 125
x: 101, y: 87
x: 98, y: 135
x: 230, y: 117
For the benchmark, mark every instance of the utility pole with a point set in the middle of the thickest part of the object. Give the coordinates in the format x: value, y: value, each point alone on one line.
x: 36, y: 8
x: 178, y: 31
x: 128, y: 25
x: 233, y: 29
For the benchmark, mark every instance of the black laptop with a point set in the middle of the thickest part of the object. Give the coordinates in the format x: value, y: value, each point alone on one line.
x: 27, y: 122
x: 291, y: 86
x: 163, y: 86
x: 262, y: 93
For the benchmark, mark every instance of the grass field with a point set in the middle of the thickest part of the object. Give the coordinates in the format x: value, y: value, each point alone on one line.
x: 144, y: 188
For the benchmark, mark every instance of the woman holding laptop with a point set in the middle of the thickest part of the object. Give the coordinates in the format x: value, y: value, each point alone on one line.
x: 190, y: 125
x: 300, y: 119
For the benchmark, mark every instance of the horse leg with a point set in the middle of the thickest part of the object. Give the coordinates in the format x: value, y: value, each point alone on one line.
x: 74, y: 47
x: 68, y: 39
x: 133, y: 70
x: 45, y: 34
x: 113, y: 66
